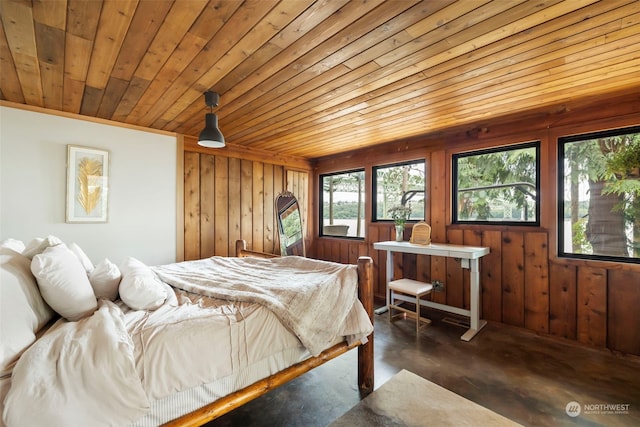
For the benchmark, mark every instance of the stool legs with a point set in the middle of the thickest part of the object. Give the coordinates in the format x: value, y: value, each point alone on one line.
x: 417, y: 314
x: 408, y: 288
x: 392, y: 306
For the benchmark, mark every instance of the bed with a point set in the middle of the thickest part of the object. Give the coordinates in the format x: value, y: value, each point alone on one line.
x: 207, y: 337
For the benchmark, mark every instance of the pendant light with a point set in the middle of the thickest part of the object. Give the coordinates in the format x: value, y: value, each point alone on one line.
x: 211, y: 136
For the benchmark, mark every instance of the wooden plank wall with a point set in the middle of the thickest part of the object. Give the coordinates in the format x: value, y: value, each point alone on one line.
x: 229, y: 197
x: 298, y: 183
x: 229, y: 194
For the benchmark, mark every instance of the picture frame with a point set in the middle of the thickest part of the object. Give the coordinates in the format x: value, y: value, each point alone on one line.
x: 87, y: 184
x: 421, y: 234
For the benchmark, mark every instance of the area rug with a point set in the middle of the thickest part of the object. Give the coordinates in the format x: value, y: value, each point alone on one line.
x: 410, y: 400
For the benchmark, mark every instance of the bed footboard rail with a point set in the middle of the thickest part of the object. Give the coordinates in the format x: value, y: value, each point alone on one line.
x: 242, y: 251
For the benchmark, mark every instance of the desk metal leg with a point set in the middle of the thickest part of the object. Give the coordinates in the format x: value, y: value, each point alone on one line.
x: 474, y: 318
x: 389, y: 278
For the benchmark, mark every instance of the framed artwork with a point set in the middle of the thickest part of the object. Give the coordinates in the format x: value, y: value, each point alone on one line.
x: 87, y: 184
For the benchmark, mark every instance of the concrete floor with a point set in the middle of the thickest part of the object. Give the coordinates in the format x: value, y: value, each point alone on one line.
x: 525, y: 377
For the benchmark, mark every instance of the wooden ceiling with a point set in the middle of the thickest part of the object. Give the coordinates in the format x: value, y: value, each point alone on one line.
x: 315, y: 78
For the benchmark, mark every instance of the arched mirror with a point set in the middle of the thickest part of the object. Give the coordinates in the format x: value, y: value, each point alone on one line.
x: 289, y: 224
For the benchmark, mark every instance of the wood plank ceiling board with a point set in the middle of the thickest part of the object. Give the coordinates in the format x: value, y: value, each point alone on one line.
x: 177, y: 42
x: 50, y: 23
x: 81, y: 26
x: 19, y: 27
x: 313, y: 78
x: 9, y: 83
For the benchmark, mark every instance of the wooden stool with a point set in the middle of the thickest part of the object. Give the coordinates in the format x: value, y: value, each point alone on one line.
x: 413, y: 288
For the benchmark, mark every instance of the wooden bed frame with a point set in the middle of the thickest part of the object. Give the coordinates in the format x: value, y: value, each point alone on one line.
x: 365, y: 356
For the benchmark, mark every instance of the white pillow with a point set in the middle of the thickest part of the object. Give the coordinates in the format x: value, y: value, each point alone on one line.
x: 38, y: 245
x: 84, y: 259
x: 14, y: 244
x: 105, y: 279
x: 63, y: 282
x: 139, y: 288
x: 23, y: 312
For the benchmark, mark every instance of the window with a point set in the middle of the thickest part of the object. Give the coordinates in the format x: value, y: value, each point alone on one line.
x: 599, y: 189
x: 342, y: 204
x: 400, y: 184
x: 497, y: 186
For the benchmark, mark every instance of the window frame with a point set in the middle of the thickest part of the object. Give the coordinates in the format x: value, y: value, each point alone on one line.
x: 561, y: 143
x: 374, y: 190
x: 511, y: 147
x: 321, y: 203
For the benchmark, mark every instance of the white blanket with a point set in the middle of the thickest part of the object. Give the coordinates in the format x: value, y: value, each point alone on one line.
x: 311, y: 297
x: 79, y: 373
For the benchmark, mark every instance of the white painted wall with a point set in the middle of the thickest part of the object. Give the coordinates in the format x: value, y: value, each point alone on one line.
x: 142, y: 186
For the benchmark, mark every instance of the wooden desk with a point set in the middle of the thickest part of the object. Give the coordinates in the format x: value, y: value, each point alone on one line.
x: 468, y: 255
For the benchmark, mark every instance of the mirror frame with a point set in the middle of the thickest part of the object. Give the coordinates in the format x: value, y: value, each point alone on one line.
x: 286, y: 204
